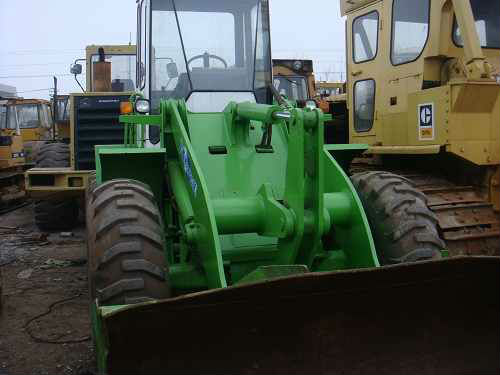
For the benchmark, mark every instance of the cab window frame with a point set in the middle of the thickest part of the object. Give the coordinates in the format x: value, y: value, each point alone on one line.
x: 354, y: 41
x: 393, y: 34
x: 354, y: 104
x: 457, y: 27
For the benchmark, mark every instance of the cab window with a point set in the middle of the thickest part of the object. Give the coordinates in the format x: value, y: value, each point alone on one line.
x: 364, y: 105
x: 410, y: 30
x: 3, y: 117
x: 487, y: 17
x: 365, y: 37
x: 28, y: 116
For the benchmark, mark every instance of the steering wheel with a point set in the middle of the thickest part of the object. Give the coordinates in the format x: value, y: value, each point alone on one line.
x: 206, y: 60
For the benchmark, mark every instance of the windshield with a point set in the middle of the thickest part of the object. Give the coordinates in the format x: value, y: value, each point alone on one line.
x: 294, y: 88
x: 223, y: 45
x: 487, y: 16
x: 7, y: 117
x: 62, y: 109
x: 122, y: 71
x: 27, y: 115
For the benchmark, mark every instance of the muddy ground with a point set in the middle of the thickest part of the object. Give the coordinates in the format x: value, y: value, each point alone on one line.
x: 44, y: 321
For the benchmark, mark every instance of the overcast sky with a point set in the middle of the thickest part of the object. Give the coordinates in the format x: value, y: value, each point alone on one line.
x: 40, y: 38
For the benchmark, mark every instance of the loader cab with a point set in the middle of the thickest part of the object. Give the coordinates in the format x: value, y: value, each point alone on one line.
x: 61, y: 116
x: 208, y: 53
x: 407, y: 59
x: 294, y: 79
x: 118, y: 71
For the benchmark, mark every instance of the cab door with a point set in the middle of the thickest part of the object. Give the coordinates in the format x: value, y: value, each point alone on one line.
x: 363, y: 57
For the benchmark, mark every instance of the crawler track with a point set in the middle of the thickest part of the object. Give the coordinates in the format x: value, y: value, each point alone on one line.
x: 467, y: 221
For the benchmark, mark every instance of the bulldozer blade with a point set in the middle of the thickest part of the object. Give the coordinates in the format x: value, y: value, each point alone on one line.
x: 436, y: 317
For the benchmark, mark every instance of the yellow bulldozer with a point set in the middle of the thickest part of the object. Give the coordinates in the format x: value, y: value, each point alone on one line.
x: 423, y: 90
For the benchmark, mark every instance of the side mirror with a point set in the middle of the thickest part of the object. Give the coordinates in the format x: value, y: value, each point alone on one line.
x: 172, y: 71
x: 76, y: 69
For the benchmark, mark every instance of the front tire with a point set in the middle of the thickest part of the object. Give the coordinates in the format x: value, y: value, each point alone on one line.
x: 404, y: 228
x: 125, y: 242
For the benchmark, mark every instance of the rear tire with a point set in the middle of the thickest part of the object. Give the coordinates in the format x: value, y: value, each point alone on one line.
x: 55, y: 213
x: 404, y: 228
x: 53, y: 155
x: 125, y: 243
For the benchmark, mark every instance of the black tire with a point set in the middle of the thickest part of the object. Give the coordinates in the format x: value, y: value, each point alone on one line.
x: 56, y: 213
x: 125, y: 243
x: 403, y: 227
x: 53, y: 155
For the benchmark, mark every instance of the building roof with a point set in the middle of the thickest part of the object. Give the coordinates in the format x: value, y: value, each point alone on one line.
x: 7, y: 91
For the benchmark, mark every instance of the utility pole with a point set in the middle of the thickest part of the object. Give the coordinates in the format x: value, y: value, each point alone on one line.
x: 55, y: 110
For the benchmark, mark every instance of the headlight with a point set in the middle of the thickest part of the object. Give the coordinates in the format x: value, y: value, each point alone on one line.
x: 142, y: 106
x: 311, y: 104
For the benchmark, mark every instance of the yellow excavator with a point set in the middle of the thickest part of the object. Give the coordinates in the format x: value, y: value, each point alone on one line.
x: 423, y: 91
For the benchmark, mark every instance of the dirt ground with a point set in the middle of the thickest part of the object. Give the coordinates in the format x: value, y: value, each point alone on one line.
x: 44, y: 320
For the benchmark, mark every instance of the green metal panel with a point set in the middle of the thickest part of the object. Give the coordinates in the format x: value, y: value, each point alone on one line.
x: 143, y: 164
x: 273, y: 272
x: 206, y: 228
x: 352, y: 235
x: 239, y: 208
x: 344, y: 154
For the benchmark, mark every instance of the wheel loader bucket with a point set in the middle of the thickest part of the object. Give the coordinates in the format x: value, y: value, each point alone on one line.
x: 437, y: 317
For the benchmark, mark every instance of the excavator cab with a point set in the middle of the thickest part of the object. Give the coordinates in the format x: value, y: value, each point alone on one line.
x: 294, y: 79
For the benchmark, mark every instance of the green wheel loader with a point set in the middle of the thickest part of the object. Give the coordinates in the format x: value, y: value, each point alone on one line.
x: 225, y: 238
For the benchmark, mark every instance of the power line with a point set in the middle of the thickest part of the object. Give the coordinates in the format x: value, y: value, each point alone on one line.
x: 41, y: 52
x: 24, y: 91
x: 37, y: 76
x: 40, y: 64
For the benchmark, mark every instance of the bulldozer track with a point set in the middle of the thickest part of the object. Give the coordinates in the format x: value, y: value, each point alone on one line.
x: 468, y: 223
